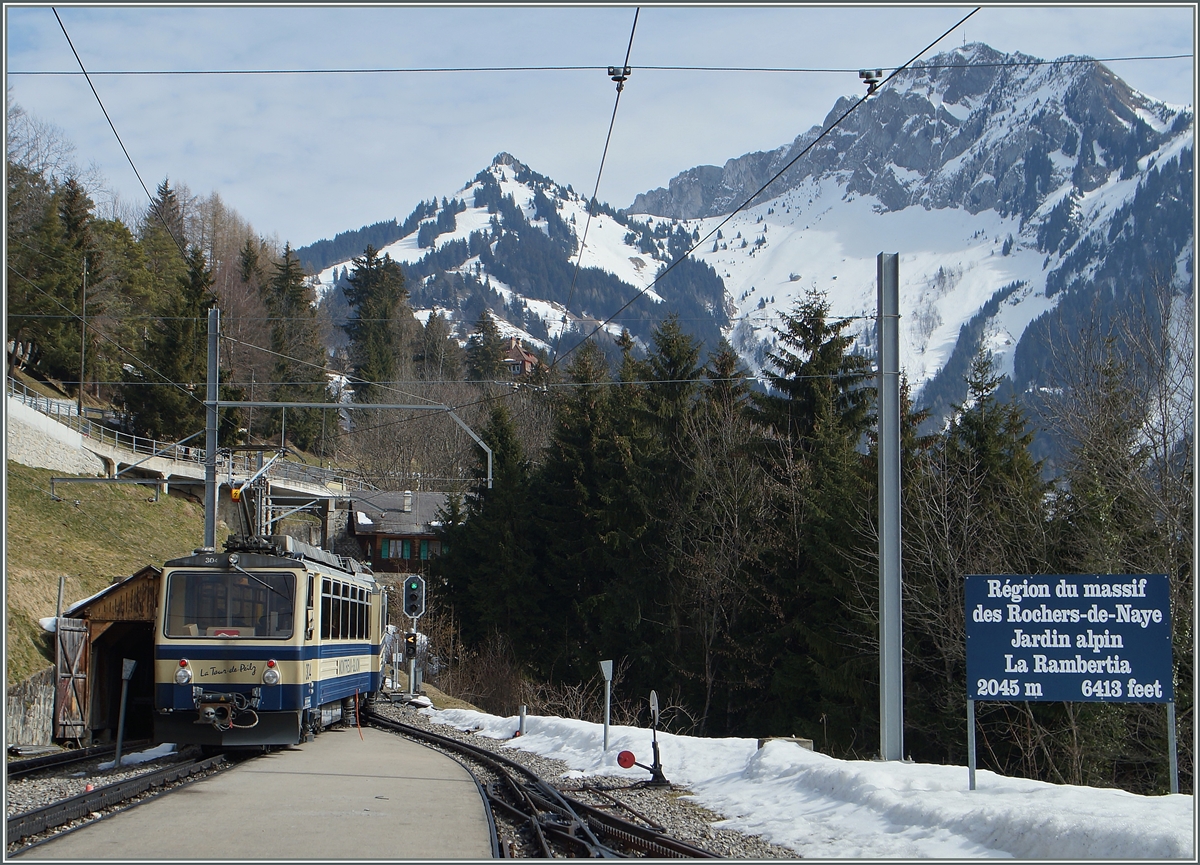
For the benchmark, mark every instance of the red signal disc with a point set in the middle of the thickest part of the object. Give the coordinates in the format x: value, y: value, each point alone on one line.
x: 625, y: 759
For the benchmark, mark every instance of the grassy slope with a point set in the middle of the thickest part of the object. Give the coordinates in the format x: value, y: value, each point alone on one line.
x: 93, y: 535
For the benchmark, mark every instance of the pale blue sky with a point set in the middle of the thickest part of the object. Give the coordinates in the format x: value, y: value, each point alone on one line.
x: 306, y: 156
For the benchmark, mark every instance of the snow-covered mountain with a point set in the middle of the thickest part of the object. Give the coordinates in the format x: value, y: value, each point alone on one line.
x: 1018, y: 195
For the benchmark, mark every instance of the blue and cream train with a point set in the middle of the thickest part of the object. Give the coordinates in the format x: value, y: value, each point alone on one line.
x: 264, y: 644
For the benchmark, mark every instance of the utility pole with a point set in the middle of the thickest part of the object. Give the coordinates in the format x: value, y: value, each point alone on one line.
x: 82, y: 332
x: 210, y: 430
x: 891, y: 668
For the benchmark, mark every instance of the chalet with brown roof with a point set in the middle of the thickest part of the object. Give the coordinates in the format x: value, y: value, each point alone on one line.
x: 519, y: 360
x: 397, y: 531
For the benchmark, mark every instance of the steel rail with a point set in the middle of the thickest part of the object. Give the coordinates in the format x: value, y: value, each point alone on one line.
x: 652, y: 841
x: 23, y: 825
x: 596, y: 791
x: 20, y: 768
x: 553, y: 813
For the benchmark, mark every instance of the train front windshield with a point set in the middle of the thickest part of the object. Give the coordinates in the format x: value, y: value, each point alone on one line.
x: 230, y: 604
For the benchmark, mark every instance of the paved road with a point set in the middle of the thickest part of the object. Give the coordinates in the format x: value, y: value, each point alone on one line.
x: 339, y: 797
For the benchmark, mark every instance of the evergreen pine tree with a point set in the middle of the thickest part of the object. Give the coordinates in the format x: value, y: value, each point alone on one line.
x: 299, y: 370
x: 574, y: 493
x: 45, y: 293
x: 165, y: 399
x: 380, y: 302
x: 485, y: 351
x: 816, y: 416
x: 161, y: 236
x: 720, y: 541
x: 661, y: 494
x: 439, y: 357
x: 488, y: 563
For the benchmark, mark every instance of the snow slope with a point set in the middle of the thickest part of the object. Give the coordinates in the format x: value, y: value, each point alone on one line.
x: 824, y: 808
x: 818, y: 237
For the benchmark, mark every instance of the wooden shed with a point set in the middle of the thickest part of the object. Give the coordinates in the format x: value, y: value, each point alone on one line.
x: 93, y: 637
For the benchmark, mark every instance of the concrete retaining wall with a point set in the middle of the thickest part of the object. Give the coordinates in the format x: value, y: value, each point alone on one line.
x: 29, y: 710
x: 33, y: 439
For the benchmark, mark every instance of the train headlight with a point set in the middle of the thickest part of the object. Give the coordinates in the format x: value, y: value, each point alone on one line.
x: 271, y: 673
x: 183, y: 675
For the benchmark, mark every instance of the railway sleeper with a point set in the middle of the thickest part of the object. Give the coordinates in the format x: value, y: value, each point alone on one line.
x: 21, y: 826
x: 20, y: 768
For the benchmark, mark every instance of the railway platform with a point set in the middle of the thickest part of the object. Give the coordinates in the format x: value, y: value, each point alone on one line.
x: 339, y: 797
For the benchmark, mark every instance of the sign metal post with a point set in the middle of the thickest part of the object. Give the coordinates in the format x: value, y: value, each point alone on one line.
x: 606, y: 671
x: 1171, y: 746
x: 970, y: 744
x: 127, y: 668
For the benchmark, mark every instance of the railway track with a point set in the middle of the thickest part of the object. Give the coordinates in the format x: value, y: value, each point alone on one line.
x: 38, y: 821
x: 552, y: 823
x: 20, y: 768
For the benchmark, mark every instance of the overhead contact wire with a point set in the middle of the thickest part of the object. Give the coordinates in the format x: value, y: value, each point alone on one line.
x: 596, y: 192
x: 113, y: 127
x: 765, y: 186
x: 350, y: 378
x: 450, y: 69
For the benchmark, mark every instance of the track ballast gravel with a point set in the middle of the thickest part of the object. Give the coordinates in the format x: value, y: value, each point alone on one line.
x: 666, y: 806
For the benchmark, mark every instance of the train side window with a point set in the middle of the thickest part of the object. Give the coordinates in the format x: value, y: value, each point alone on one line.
x: 335, y: 626
x: 326, y: 610
x: 362, y: 614
x: 360, y: 608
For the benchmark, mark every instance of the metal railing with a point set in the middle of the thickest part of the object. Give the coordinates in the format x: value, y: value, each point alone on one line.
x: 55, y: 407
x: 90, y: 425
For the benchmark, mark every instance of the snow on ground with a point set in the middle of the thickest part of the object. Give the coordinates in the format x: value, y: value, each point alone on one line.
x: 826, y: 808
x: 140, y: 757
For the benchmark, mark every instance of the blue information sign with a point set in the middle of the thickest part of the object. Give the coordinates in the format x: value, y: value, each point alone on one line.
x: 1089, y: 637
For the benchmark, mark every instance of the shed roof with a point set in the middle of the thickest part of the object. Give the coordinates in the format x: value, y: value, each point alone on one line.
x: 79, y: 609
x: 398, y: 513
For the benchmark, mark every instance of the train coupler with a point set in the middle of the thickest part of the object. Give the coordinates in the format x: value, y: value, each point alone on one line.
x: 218, y: 709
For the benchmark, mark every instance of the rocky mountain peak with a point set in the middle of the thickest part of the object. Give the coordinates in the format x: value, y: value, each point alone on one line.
x: 505, y: 158
x: 971, y: 127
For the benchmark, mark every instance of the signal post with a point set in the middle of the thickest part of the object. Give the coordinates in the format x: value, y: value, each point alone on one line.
x: 414, y: 608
